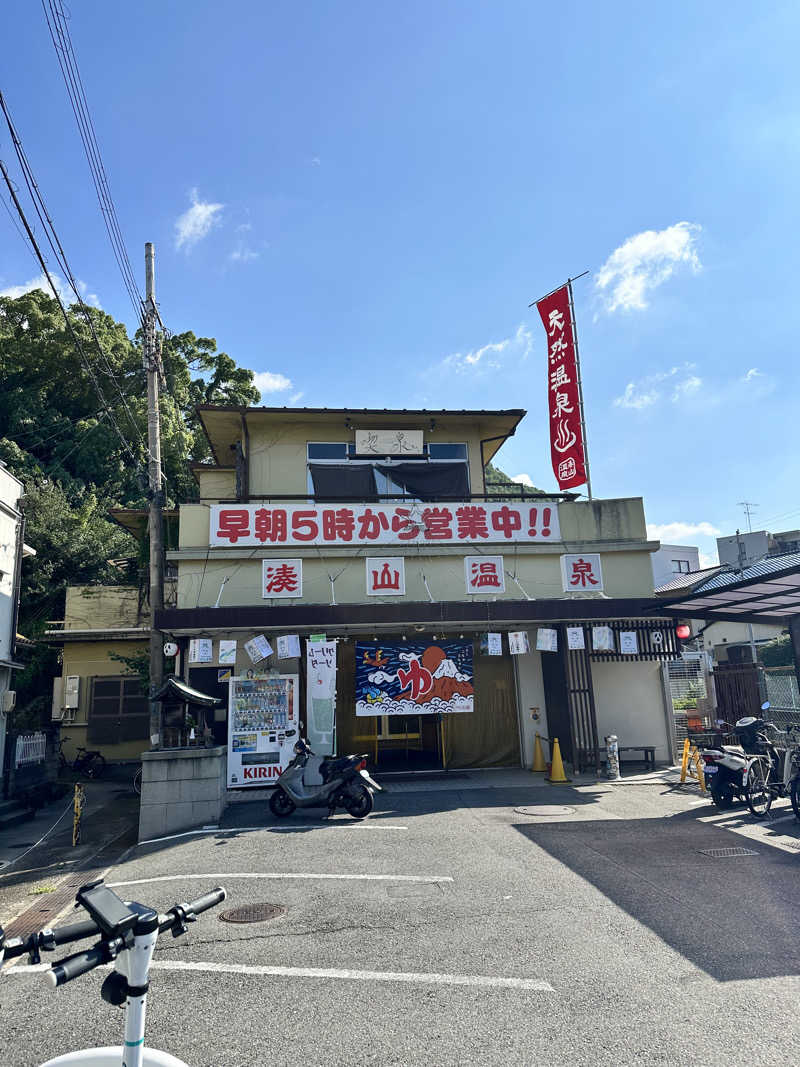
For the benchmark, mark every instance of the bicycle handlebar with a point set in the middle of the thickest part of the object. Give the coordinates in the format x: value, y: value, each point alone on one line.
x: 180, y: 914
x: 81, y: 962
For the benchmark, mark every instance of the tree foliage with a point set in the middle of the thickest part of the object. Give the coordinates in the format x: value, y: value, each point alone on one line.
x: 58, y: 436
x: 497, y: 483
x: 777, y: 652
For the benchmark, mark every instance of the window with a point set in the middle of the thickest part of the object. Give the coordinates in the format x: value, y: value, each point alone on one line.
x: 119, y: 711
x: 442, y: 472
x: 680, y: 566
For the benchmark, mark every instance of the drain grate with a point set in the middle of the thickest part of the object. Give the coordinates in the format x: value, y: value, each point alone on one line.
x: 547, y: 809
x: 724, y: 853
x: 252, y: 913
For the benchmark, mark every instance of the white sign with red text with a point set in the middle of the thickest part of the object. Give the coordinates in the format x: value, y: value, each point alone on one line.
x: 281, y: 578
x: 251, y: 525
x: 582, y: 573
x: 484, y: 574
x: 386, y: 575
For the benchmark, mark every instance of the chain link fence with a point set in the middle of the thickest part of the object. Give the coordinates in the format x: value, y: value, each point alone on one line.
x: 783, y: 694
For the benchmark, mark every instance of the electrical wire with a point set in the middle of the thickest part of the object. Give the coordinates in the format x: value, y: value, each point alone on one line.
x: 57, y: 24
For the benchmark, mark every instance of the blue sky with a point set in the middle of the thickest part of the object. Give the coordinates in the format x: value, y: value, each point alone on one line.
x: 359, y: 200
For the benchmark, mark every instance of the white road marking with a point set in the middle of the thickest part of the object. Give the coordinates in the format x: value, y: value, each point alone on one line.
x: 427, y: 879
x: 409, y: 977
x: 332, y: 826
x: 361, y: 976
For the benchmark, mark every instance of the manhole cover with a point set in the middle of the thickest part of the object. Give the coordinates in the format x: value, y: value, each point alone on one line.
x: 252, y: 913
x: 547, y: 809
x: 724, y: 853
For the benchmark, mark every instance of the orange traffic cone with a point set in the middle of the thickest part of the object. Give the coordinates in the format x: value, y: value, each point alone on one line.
x: 557, y: 776
x: 538, y: 756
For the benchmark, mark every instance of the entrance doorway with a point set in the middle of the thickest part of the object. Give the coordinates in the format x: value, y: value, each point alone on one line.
x: 486, y: 737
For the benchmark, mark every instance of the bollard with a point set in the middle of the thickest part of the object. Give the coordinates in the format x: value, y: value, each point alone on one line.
x: 612, y: 752
x: 77, y: 807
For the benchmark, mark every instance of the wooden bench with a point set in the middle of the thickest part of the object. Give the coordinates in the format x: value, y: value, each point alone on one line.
x: 648, y: 755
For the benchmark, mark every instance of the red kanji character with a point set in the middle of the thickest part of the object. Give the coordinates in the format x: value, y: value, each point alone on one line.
x: 370, y: 525
x: 437, y: 523
x: 305, y: 526
x: 338, y: 525
x: 281, y: 579
x: 582, y: 572
x: 506, y: 521
x: 403, y: 525
x: 270, y: 524
x: 485, y: 575
x: 419, y: 678
x: 471, y: 522
x: 233, y: 524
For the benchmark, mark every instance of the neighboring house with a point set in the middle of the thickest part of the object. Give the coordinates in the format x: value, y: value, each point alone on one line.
x: 99, y: 700
x: 373, y: 526
x: 670, y: 561
x: 12, y: 551
x: 744, y: 549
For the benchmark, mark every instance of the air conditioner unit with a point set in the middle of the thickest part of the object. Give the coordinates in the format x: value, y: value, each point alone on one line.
x: 9, y: 701
x: 72, y: 689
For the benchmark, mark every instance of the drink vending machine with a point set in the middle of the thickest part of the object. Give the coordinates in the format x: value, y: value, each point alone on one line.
x: 261, y: 711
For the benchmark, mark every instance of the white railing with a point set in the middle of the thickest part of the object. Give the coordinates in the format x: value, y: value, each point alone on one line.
x: 31, y: 748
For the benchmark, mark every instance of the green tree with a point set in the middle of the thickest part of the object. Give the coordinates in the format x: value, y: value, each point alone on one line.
x: 497, y: 483
x: 60, y: 437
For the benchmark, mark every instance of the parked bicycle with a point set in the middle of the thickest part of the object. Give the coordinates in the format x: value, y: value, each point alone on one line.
x: 772, y: 770
x: 90, y: 764
x: 128, y: 934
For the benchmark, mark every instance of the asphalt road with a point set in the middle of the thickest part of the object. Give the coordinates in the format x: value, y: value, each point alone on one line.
x: 604, y: 936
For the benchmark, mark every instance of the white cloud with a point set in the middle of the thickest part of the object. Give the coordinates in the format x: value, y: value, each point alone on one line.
x: 315, y: 161
x: 753, y: 373
x: 193, y: 225
x: 242, y: 254
x: 523, y: 479
x: 644, y: 262
x: 267, y: 382
x: 707, y: 559
x: 486, y: 357
x: 64, y: 291
x: 295, y: 398
x: 679, y: 533
x: 648, y: 390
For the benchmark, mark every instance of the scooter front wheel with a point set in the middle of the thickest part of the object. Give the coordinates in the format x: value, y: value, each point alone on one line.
x: 795, y: 797
x: 280, y: 804
x: 359, y: 803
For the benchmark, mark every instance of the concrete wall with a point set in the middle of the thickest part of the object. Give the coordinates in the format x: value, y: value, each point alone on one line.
x: 90, y: 659
x: 10, y: 492
x: 103, y: 607
x: 216, y: 484
x: 731, y: 633
x: 181, y: 789
x: 629, y: 703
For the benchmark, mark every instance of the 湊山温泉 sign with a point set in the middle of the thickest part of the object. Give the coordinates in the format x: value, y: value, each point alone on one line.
x: 414, y: 677
x: 251, y: 525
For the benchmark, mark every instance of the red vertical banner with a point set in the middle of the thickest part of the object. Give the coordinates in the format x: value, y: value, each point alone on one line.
x: 563, y: 397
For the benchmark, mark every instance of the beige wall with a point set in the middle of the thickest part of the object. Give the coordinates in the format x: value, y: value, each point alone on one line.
x: 98, y: 607
x: 530, y: 694
x: 629, y: 703
x: 93, y: 659
x: 216, y: 484
x: 736, y: 633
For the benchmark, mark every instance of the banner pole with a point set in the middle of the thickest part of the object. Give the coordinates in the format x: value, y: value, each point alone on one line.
x: 580, y: 383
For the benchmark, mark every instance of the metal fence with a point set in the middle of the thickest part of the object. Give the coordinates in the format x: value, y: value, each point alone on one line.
x: 31, y: 748
x: 781, y: 689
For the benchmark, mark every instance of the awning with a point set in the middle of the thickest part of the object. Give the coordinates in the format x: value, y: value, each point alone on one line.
x: 175, y: 688
x: 767, y: 592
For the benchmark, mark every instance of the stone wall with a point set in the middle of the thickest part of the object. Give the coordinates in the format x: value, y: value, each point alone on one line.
x: 182, y: 789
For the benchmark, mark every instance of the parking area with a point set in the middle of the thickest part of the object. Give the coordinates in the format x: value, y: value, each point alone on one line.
x: 452, y: 928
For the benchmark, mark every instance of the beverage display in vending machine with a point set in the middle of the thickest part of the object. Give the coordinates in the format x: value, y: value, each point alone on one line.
x: 261, y: 711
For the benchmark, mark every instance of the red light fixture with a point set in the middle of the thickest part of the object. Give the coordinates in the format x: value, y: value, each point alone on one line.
x: 683, y: 630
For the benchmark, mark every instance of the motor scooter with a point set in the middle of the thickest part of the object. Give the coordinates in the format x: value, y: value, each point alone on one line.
x: 345, y: 783
x: 726, y: 766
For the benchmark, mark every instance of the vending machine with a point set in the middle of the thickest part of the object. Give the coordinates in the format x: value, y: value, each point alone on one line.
x: 263, y: 727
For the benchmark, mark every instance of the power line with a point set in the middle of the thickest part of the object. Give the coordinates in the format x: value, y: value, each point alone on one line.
x: 57, y: 24
x: 73, y: 335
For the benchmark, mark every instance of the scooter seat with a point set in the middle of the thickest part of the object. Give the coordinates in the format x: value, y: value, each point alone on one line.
x: 735, y: 750
x: 330, y: 767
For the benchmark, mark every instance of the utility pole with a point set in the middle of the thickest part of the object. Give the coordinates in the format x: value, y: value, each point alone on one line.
x: 153, y: 370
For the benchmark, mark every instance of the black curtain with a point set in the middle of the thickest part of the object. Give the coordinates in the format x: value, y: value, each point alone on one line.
x: 336, y: 480
x: 430, y: 481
